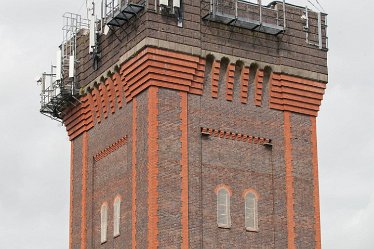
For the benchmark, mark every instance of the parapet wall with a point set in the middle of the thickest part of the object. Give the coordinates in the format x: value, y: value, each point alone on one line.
x: 151, y: 28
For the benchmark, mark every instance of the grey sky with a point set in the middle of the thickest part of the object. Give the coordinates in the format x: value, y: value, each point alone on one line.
x: 34, y: 151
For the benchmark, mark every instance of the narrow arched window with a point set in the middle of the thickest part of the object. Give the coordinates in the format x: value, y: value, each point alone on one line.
x: 104, y: 222
x: 116, y: 216
x: 251, y: 216
x: 223, y: 208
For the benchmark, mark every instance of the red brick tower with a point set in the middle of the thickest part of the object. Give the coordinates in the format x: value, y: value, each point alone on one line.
x: 193, y: 125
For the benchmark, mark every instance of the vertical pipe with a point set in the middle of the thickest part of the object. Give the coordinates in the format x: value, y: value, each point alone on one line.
x: 277, y: 11
x: 307, y: 25
x: 105, y: 8
x: 260, y: 4
x: 319, y: 30
x: 236, y: 9
x: 43, y: 84
x: 284, y: 14
x: 112, y: 8
x: 102, y: 16
x: 214, y: 6
x: 211, y: 6
x: 327, y: 38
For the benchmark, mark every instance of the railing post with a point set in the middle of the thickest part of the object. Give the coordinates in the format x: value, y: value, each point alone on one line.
x: 284, y: 15
x: 113, y: 8
x: 260, y: 4
x: 320, y: 30
x: 327, y: 37
x: 236, y: 9
x: 105, y: 8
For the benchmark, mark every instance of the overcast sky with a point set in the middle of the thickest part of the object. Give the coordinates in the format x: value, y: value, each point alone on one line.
x: 34, y: 151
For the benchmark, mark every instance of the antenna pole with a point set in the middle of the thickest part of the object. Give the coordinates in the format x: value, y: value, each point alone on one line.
x: 105, y: 8
x: 102, y: 17
x: 260, y: 4
x: 43, y: 83
x: 93, y: 8
x: 320, y: 30
x: 236, y: 9
x: 284, y: 15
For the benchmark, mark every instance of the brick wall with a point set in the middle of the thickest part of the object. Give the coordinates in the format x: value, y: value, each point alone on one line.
x: 212, y: 161
x: 137, y: 134
x: 289, y: 49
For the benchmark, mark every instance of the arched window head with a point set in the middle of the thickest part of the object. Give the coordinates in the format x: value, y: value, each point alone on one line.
x: 251, y: 216
x: 104, y: 222
x: 116, y: 216
x: 223, y: 208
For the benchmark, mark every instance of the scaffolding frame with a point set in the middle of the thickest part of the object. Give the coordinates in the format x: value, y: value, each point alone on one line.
x: 58, y: 87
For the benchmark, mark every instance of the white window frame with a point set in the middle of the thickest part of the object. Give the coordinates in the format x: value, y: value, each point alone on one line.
x: 226, y: 208
x: 253, y: 213
x: 116, y: 216
x: 103, y: 222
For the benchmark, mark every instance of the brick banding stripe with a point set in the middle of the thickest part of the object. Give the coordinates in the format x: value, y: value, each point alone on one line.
x: 295, y: 94
x: 110, y: 149
x: 184, y: 72
x: 152, y: 168
x: 244, y: 82
x: 230, y: 81
x: 157, y: 67
x: 259, y: 80
x: 184, y: 169
x: 79, y: 118
x: 133, y: 160
x: 317, y: 225
x: 111, y: 93
x: 71, y: 194
x: 289, y: 181
x: 118, y: 86
x: 215, y: 78
x: 104, y: 99
x: 84, y: 191
x: 236, y: 136
x: 97, y: 101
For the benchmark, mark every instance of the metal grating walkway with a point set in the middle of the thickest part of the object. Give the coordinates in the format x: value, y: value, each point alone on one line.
x: 124, y: 14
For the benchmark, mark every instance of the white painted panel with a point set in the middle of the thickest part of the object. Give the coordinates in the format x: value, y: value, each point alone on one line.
x: 92, y: 33
x: 104, y: 223
x: 57, y: 90
x: 164, y: 2
x: 116, y: 216
x: 71, y: 66
x: 223, y: 208
x: 106, y: 29
x: 58, y: 64
x: 177, y: 3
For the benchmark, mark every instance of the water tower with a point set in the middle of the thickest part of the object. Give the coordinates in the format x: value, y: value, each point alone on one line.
x: 192, y: 123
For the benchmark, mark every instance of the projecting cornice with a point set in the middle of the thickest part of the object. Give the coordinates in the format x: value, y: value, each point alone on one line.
x: 196, y: 75
x: 195, y: 51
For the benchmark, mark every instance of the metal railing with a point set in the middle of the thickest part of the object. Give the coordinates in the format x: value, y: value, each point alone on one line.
x: 250, y: 10
x: 110, y: 7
